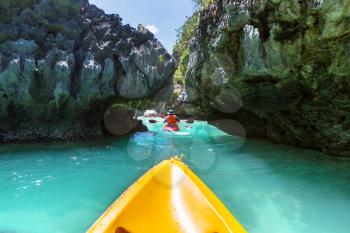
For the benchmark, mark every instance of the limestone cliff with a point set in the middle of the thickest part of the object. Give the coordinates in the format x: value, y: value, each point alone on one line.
x: 63, y: 62
x: 280, y: 67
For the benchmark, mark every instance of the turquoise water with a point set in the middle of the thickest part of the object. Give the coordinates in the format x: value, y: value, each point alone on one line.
x: 64, y: 188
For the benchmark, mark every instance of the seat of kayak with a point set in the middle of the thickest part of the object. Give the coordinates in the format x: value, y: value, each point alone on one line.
x: 168, y: 198
x: 121, y: 230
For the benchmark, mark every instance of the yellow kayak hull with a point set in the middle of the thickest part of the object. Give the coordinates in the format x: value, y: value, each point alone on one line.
x: 168, y: 198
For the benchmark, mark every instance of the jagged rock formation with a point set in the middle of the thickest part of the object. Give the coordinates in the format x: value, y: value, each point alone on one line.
x: 280, y: 67
x: 63, y: 62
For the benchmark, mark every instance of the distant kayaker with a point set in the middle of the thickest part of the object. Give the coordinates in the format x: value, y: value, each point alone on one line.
x: 171, y: 119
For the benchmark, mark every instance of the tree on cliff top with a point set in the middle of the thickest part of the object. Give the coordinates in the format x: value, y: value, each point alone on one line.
x: 202, y: 3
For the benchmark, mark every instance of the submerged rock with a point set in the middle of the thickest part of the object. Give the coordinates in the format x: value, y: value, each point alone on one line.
x: 62, y: 63
x: 121, y: 122
x: 281, y: 68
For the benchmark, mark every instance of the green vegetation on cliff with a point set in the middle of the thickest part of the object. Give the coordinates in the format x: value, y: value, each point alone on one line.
x: 138, y: 104
x: 279, y: 67
x: 9, y: 9
x: 202, y: 3
x: 184, y: 35
x: 181, y: 48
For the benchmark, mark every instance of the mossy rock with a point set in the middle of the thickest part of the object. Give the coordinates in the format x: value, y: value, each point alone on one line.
x: 139, y: 104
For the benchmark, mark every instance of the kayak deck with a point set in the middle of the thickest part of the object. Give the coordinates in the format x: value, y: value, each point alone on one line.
x: 168, y: 198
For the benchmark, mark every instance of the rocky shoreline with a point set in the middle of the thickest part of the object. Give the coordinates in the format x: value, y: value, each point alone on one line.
x: 63, y: 63
x: 279, y: 67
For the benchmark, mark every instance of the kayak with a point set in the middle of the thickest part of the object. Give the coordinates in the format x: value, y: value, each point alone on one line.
x: 168, y: 198
x: 171, y: 128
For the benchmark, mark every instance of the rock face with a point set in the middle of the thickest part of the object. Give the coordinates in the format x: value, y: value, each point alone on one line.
x: 280, y: 67
x: 119, y: 122
x: 63, y: 62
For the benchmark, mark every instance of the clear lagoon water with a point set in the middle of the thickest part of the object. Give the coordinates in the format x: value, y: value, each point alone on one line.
x: 64, y: 188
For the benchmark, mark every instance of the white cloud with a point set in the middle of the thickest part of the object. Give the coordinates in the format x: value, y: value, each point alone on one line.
x: 152, y: 28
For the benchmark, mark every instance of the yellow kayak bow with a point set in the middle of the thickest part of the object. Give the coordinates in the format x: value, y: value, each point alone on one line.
x: 168, y: 198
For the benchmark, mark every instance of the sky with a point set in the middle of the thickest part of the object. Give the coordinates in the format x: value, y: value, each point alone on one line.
x: 162, y: 17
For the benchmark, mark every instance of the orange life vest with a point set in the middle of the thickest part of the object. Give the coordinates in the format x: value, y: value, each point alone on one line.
x: 171, y: 119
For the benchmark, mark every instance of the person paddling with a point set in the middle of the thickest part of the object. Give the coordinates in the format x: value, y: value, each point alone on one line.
x: 171, y: 119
